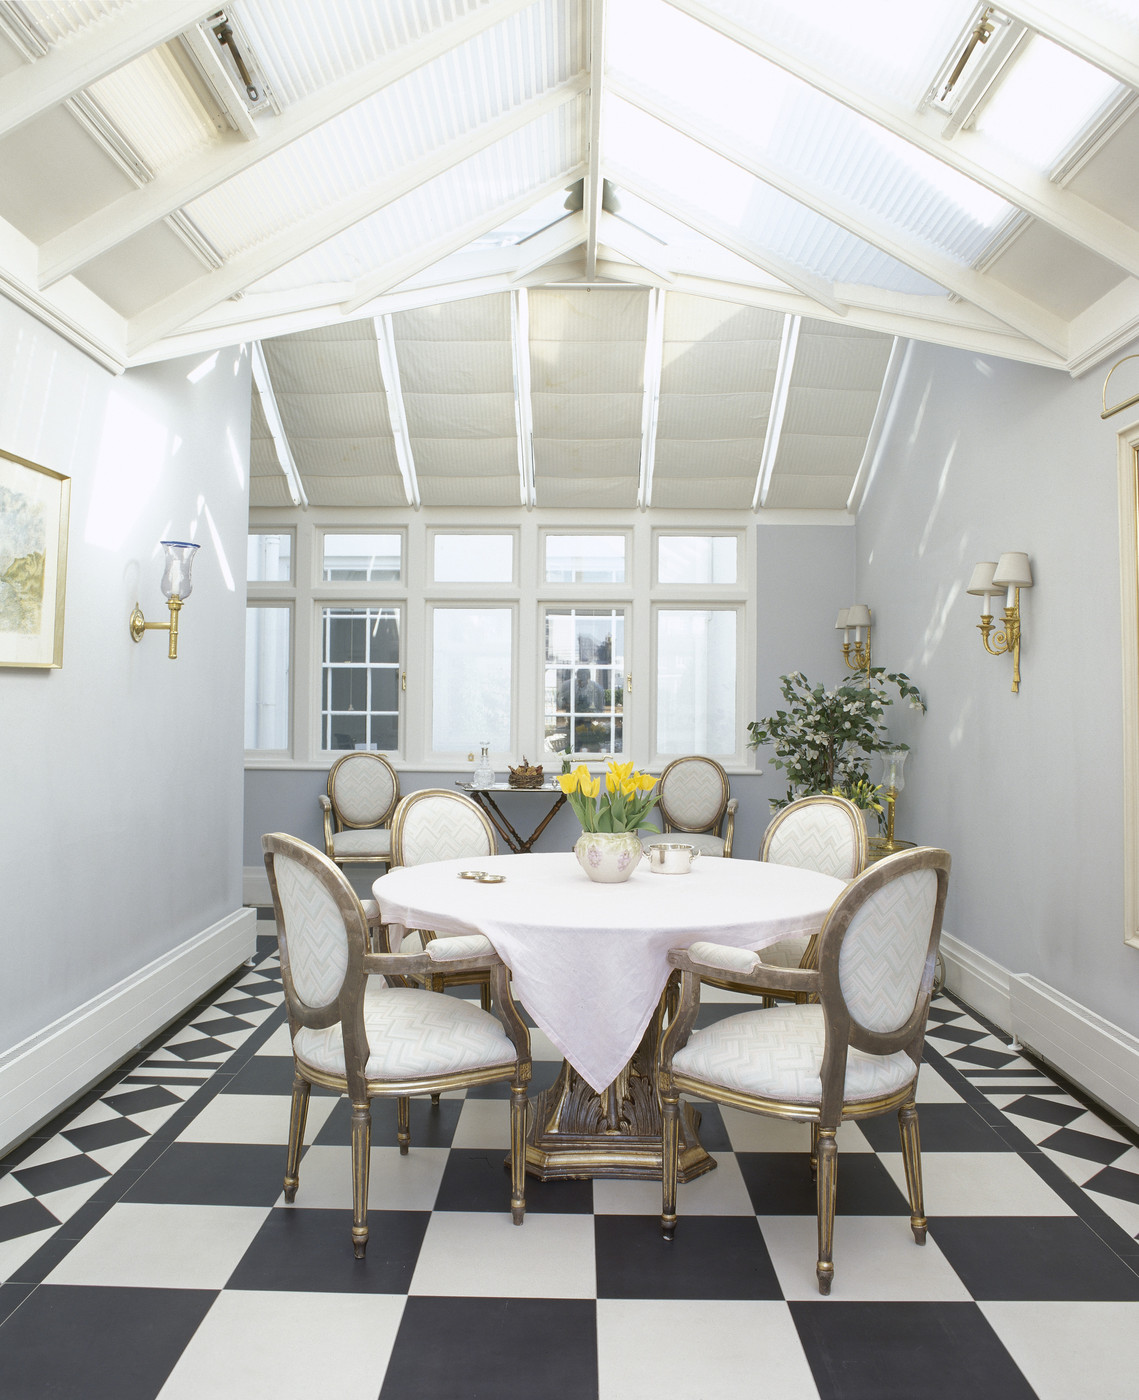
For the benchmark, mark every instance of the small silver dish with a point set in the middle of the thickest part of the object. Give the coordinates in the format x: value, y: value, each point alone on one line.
x: 472, y: 874
x: 486, y: 878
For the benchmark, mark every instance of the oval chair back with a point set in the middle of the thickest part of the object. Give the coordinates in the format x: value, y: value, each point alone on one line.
x: 436, y: 824
x: 823, y: 832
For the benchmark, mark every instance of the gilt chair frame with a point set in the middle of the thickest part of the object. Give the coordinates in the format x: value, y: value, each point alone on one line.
x: 724, y: 822
x: 334, y: 822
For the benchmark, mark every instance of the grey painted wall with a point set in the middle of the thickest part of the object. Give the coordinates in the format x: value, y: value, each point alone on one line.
x: 805, y: 574
x: 1024, y: 790
x: 120, y: 807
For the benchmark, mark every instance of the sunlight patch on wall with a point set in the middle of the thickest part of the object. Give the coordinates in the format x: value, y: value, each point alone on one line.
x: 132, y: 454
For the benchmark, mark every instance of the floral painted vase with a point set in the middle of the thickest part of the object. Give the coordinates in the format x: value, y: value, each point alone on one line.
x: 608, y: 856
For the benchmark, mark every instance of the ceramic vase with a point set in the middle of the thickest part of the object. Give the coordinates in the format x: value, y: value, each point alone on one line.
x: 608, y: 856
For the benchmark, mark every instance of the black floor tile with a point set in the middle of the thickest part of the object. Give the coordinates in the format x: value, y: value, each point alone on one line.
x: 54, y: 1176
x: 976, y: 1056
x: 505, y: 1348
x: 238, y: 1004
x: 212, y: 1173
x: 106, y: 1134
x: 222, y: 1025
x: 962, y: 1035
x: 431, y: 1125
x: 310, y: 1251
x: 906, y: 1351
x: 712, y: 1256
x: 141, y: 1100
x: 711, y: 1130
x: 1033, y: 1259
x: 1114, y: 1182
x: 944, y: 1127
x: 97, y: 1343
x: 780, y: 1183
x: 265, y: 1074
x: 205, y: 1049
x: 545, y: 1074
x: 1044, y: 1110
x: 1088, y: 1145
x: 478, y: 1179
x: 11, y: 1296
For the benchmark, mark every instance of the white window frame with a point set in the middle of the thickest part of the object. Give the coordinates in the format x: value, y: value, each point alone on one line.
x: 289, y: 530
x: 354, y: 600
x: 267, y: 600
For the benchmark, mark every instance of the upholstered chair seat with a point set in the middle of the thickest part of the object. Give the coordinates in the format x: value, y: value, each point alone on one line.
x: 695, y: 806
x: 361, y: 845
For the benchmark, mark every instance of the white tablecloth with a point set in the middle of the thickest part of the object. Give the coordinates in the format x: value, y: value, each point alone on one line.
x: 589, y: 961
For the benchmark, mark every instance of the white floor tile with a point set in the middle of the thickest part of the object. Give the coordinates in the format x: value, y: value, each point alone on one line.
x: 1033, y: 1128
x: 1093, y: 1124
x: 97, y: 1113
x: 395, y: 1182
x: 116, y: 1154
x: 722, y: 1350
x: 54, y: 1150
x: 1068, y: 1350
x: 18, y: 1251
x: 1124, y: 1213
x: 338, y: 1344
x: 932, y: 1088
x: 875, y: 1260
x: 254, y: 1118
x: 63, y: 1204
x: 542, y: 1047
x: 482, y: 1254
x: 151, y: 1119
x: 978, y: 1183
x: 279, y: 1043
x: 162, y: 1246
x: 483, y: 1123
x: 1077, y: 1169
x: 719, y: 1192
x: 1129, y: 1162
x: 11, y: 1191
x: 752, y: 1132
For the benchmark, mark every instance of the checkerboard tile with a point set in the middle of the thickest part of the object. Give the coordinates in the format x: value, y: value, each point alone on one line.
x: 148, y: 1225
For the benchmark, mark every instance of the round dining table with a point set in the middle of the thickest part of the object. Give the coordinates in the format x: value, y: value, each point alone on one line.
x: 589, y: 962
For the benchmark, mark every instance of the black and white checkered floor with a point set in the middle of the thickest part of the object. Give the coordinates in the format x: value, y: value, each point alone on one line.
x: 145, y: 1250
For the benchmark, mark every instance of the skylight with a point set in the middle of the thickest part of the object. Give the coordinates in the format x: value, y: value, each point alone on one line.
x: 1045, y: 102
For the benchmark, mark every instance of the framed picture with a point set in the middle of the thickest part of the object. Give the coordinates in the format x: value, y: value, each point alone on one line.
x: 34, y: 502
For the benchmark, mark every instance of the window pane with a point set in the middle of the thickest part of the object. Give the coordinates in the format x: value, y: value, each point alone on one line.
x: 584, y: 680
x: 360, y: 678
x: 472, y: 679
x: 266, y: 678
x: 585, y: 558
x: 474, y: 558
x: 696, y: 682
x: 696, y: 559
x: 270, y: 559
x: 361, y: 558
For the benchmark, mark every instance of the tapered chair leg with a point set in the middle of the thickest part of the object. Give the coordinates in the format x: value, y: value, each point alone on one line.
x: 911, y: 1158
x: 298, y: 1117
x: 518, y: 1103
x: 814, y: 1149
x: 361, y: 1149
x: 670, y: 1148
x: 403, y: 1123
x: 827, y: 1181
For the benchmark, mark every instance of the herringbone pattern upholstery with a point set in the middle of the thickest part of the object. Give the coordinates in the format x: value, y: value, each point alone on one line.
x: 362, y: 789
x: 441, y: 827
x: 468, y: 945
x: 375, y: 841
x: 816, y: 837
x: 410, y: 1034
x: 778, y: 1054
x: 722, y: 955
x: 884, y: 952
x: 693, y: 793
x: 316, y: 937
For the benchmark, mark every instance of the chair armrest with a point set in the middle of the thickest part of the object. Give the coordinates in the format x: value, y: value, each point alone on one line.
x: 424, y: 965
x: 730, y: 824
x: 326, y: 809
x: 745, y: 966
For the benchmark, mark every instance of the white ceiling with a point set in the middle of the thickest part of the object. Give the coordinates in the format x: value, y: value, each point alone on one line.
x: 765, y: 200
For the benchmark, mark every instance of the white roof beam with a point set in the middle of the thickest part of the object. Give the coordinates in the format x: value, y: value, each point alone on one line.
x: 636, y: 245
x: 1097, y: 38
x: 593, y: 189
x: 876, y: 435
x: 968, y: 153
x: 549, y: 244
x: 308, y: 233
x: 783, y: 370
x: 83, y: 60
x: 654, y: 357
x: 817, y: 288
x: 135, y: 211
x: 397, y: 413
x: 523, y: 407
x: 369, y: 288
x: 285, y: 457
x: 1006, y: 305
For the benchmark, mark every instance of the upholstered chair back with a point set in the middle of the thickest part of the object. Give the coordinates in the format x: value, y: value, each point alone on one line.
x: 820, y: 833
x: 884, y: 952
x: 439, y: 825
x: 693, y: 793
x: 363, y: 789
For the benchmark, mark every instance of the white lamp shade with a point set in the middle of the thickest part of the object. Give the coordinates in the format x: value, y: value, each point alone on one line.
x: 981, y: 581
x: 858, y: 615
x: 1013, y: 571
x: 841, y: 623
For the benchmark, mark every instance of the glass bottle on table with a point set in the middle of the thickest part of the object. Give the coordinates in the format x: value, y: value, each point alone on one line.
x: 483, y: 776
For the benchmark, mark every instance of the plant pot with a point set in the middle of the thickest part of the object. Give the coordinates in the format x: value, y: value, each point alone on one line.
x: 608, y: 856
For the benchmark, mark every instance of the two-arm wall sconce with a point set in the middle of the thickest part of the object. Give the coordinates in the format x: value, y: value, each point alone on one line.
x: 1012, y: 572
x: 175, y: 587
x: 855, y: 619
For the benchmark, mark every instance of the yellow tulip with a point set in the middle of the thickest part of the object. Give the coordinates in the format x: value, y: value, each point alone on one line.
x: 644, y: 782
x: 591, y: 787
x: 628, y: 787
x: 612, y: 781
x: 622, y: 770
x: 568, y: 782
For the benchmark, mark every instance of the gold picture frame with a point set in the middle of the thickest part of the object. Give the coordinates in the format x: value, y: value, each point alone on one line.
x: 34, y: 506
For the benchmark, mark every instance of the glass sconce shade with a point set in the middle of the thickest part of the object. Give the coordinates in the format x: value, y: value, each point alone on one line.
x: 179, y: 563
x: 893, y: 761
x: 981, y: 583
x: 1013, y: 571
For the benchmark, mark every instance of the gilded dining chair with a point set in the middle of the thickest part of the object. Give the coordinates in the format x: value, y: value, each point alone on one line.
x: 363, y: 789
x: 696, y: 805
x: 353, y: 1033
x: 852, y: 1054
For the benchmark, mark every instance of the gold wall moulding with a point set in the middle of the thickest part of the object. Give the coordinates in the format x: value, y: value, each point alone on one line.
x: 1124, y: 403
x: 34, y: 505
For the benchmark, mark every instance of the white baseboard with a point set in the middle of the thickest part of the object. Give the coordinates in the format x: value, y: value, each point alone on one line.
x: 1098, y: 1057
x: 47, y: 1071
x: 255, y: 886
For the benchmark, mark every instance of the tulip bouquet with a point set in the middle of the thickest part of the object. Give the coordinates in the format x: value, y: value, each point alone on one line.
x: 621, y: 804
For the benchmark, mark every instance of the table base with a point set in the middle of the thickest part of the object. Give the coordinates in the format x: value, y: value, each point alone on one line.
x: 577, y: 1132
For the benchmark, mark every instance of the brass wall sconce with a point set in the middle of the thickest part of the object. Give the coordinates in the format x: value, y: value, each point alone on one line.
x: 1012, y: 572
x: 175, y: 587
x: 855, y: 619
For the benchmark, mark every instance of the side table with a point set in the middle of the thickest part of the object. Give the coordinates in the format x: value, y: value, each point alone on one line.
x: 485, y: 795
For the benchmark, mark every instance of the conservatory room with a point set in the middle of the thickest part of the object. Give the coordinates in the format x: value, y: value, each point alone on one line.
x: 569, y: 663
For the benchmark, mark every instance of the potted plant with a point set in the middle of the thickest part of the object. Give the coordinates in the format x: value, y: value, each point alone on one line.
x: 824, y: 738
x: 611, y: 814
